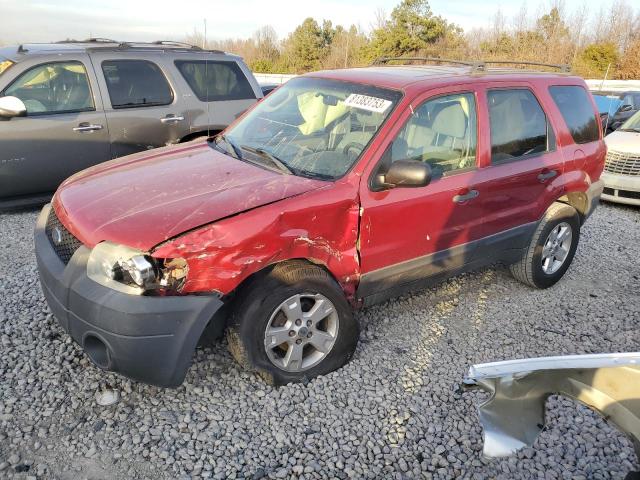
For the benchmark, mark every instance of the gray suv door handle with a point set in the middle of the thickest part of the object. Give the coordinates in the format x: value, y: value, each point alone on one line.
x: 467, y: 196
x: 546, y: 175
x: 87, y: 127
x: 171, y: 119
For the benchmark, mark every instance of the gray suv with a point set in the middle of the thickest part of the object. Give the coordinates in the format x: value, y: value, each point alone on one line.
x: 70, y: 105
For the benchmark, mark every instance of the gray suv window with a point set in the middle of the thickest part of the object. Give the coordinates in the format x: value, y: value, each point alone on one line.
x: 136, y: 83
x: 518, y: 124
x: 575, y: 107
x: 214, y: 81
x: 58, y: 87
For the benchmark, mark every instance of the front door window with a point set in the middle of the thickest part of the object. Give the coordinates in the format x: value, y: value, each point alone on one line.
x: 60, y: 87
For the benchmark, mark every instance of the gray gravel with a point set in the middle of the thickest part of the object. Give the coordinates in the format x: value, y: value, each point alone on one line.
x: 393, y: 412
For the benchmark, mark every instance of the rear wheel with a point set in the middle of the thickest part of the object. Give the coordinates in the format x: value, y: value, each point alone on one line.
x: 552, y: 248
x: 292, y: 324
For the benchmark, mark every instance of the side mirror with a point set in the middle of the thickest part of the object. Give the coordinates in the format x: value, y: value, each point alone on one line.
x: 12, y: 107
x: 405, y: 173
x: 626, y: 108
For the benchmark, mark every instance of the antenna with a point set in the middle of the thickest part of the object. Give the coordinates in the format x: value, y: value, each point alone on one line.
x: 606, y: 124
x: 206, y: 76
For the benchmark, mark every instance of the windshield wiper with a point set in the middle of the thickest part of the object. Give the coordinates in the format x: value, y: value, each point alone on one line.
x: 274, y: 160
x: 234, y: 151
x: 637, y: 130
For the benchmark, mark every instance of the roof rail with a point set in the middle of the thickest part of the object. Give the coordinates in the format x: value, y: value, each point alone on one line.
x: 171, y: 43
x: 564, y: 68
x: 386, y: 60
x: 476, y: 66
x: 90, y: 40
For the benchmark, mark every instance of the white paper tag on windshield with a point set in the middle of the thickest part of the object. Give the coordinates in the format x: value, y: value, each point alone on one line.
x: 364, y: 102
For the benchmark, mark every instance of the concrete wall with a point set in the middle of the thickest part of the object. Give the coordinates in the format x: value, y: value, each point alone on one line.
x: 614, y: 85
x: 273, y: 78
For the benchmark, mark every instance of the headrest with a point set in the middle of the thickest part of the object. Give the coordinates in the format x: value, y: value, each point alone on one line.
x: 451, y: 121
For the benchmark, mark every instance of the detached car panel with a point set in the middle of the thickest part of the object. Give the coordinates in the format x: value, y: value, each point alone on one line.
x: 514, y: 414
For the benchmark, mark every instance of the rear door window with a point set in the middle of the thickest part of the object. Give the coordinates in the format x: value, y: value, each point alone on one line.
x: 214, y: 81
x: 58, y: 87
x: 519, y: 126
x: 136, y: 83
x: 575, y: 107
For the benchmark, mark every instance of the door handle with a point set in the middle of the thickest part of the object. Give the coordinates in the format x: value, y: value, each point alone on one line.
x: 87, y: 127
x: 546, y: 175
x: 470, y: 195
x: 172, y: 119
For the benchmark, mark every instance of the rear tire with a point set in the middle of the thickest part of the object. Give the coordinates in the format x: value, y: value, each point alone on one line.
x: 292, y: 324
x: 552, y: 248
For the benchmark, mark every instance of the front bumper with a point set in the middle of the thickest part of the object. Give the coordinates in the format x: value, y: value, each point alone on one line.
x: 621, y: 188
x: 150, y: 339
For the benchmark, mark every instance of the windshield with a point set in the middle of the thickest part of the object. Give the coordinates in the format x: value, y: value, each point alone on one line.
x: 632, y: 124
x: 314, y: 127
x: 4, y: 64
x: 607, y: 103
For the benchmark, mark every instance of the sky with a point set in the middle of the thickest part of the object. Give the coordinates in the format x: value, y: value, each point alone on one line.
x: 23, y: 21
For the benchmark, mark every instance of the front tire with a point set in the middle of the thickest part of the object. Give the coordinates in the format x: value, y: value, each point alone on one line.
x: 292, y: 324
x: 552, y: 248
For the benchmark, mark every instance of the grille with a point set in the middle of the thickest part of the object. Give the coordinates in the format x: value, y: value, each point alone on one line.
x: 622, y: 163
x: 65, y: 244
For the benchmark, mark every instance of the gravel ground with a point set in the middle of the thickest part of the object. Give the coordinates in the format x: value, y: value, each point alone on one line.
x: 394, y: 412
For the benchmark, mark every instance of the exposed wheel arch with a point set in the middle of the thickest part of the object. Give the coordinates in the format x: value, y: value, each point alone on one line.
x: 203, y: 133
x: 220, y: 321
x: 577, y: 200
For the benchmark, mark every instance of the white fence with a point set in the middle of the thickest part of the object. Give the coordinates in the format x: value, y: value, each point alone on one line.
x: 273, y: 78
x: 613, y: 85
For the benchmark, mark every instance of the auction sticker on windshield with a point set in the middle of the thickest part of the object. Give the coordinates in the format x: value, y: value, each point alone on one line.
x: 364, y: 102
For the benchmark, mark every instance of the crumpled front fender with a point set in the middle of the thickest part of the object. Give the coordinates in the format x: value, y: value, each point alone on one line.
x: 514, y: 415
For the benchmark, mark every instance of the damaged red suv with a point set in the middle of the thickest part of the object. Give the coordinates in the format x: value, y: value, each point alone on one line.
x: 339, y: 190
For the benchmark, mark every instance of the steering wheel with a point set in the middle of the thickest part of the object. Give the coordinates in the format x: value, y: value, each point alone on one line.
x: 353, y: 145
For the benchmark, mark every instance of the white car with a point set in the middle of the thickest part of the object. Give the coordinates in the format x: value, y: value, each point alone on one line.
x: 622, y: 168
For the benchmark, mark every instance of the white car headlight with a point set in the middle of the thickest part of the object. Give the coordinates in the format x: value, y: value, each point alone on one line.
x: 132, y: 271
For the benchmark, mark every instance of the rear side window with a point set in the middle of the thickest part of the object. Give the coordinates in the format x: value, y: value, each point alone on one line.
x: 518, y: 125
x: 575, y: 107
x: 215, y: 81
x: 136, y: 83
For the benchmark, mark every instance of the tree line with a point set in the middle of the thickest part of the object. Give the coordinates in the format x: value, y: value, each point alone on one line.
x: 595, y: 44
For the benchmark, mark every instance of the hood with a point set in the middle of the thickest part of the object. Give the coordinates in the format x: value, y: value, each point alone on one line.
x: 626, y: 142
x: 145, y: 199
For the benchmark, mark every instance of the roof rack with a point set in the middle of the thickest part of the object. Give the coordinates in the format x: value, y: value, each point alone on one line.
x: 171, y: 43
x: 476, y: 66
x: 386, y: 60
x: 564, y: 68
x: 90, y: 40
x: 129, y: 44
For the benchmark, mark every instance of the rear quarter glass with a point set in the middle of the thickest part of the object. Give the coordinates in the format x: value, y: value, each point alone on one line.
x: 577, y: 111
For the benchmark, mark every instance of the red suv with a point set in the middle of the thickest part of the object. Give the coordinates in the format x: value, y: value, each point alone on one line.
x: 338, y: 190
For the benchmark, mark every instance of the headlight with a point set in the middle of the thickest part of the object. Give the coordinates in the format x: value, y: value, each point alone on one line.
x: 131, y: 271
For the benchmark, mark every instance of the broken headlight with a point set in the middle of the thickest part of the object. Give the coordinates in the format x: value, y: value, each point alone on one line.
x: 132, y: 271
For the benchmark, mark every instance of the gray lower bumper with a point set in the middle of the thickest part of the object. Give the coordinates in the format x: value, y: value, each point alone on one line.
x: 150, y: 339
x: 594, y: 192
